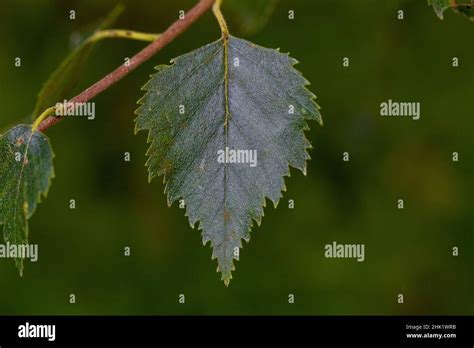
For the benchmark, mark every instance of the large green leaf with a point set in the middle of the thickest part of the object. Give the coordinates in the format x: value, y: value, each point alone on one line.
x: 65, y: 78
x: 464, y: 7
x: 204, y: 103
x: 26, y: 170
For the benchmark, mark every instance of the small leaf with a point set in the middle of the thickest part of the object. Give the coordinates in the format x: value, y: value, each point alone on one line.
x: 230, y: 95
x: 465, y: 7
x: 64, y: 79
x: 250, y: 16
x: 26, y: 170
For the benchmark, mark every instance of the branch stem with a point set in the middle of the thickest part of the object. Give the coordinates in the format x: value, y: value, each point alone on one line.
x: 177, y: 28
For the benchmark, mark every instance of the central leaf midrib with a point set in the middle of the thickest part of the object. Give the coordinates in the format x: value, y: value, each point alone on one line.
x: 225, y: 40
x: 17, y: 193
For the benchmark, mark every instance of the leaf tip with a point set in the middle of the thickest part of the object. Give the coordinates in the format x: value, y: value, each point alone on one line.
x: 19, y: 266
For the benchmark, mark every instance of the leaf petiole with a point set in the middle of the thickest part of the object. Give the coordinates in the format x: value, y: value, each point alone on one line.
x: 48, y: 112
x: 122, y: 34
x: 216, y: 9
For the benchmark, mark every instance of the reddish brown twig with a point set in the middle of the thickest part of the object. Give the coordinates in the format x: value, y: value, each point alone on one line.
x: 169, y: 35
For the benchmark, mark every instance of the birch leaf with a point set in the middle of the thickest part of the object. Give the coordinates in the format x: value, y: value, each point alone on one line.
x: 26, y: 170
x: 225, y: 122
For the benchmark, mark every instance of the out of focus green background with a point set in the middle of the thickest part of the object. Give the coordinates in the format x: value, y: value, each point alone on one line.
x: 408, y: 251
